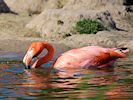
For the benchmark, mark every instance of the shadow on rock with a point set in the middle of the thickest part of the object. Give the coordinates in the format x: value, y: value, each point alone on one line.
x: 5, y: 9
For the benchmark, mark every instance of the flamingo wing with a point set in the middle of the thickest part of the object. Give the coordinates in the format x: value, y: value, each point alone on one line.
x: 79, y: 58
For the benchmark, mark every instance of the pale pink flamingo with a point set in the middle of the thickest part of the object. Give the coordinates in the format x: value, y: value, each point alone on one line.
x: 85, y: 57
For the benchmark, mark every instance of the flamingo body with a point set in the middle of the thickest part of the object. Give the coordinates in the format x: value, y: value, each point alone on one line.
x: 90, y: 56
x: 85, y: 57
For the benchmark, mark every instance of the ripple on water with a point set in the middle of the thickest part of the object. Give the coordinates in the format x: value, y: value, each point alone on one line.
x: 17, y: 83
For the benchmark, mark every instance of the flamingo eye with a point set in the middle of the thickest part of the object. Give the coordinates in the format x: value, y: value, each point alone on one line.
x: 120, y: 49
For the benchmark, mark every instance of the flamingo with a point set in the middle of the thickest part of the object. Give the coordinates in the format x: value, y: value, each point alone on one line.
x: 85, y: 57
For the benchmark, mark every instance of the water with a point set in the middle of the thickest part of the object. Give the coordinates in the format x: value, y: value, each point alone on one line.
x: 16, y: 83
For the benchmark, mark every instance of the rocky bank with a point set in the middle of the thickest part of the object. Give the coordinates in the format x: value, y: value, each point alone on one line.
x: 53, y: 21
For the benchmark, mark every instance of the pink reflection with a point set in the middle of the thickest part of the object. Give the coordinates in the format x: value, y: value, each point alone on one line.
x: 45, y: 79
x: 119, y: 92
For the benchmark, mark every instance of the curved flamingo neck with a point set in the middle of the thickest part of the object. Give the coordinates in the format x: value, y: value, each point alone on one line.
x: 47, y: 57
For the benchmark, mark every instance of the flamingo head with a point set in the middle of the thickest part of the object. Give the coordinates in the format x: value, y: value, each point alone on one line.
x: 119, y: 52
x: 34, y: 50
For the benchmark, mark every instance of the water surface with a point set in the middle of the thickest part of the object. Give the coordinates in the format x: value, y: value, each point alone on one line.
x: 18, y: 83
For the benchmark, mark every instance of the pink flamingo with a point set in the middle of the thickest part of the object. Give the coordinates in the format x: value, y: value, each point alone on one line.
x: 85, y: 57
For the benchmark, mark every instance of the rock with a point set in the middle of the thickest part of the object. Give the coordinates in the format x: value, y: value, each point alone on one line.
x: 56, y: 19
x: 34, y: 6
x: 28, y: 6
x: 106, y: 20
x: 59, y: 21
x: 37, y: 6
x: 103, y: 38
x: 113, y: 6
x: 76, y: 41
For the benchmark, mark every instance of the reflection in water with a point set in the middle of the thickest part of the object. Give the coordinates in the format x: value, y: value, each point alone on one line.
x: 41, y: 83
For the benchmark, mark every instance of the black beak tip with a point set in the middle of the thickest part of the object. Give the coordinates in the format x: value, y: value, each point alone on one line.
x: 27, y: 67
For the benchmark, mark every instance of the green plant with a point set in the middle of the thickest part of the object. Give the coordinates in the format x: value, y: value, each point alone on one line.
x: 88, y: 26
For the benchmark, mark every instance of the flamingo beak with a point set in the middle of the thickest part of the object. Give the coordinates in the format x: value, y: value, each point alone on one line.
x: 28, y: 59
x: 27, y: 62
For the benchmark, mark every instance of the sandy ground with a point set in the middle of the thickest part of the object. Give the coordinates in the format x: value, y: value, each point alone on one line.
x: 13, y: 34
x: 20, y: 45
x: 14, y: 26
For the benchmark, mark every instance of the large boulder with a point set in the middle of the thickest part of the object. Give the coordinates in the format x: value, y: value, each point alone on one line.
x: 53, y: 21
x: 61, y: 22
x: 34, y: 6
x: 37, y: 6
x: 114, y: 6
x: 29, y: 6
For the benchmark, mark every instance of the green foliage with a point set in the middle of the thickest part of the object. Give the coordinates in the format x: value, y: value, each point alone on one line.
x: 88, y: 26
